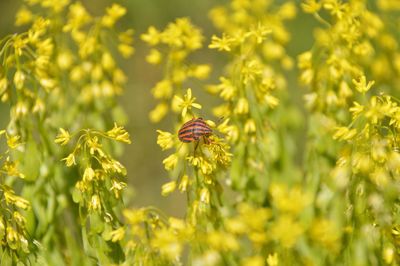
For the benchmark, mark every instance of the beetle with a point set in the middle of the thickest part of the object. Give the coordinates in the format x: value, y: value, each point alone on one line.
x: 193, y: 130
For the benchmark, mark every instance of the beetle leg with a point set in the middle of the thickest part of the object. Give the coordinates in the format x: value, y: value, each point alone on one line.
x: 195, y: 147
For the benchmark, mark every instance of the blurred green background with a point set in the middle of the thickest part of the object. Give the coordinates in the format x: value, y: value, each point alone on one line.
x: 143, y: 158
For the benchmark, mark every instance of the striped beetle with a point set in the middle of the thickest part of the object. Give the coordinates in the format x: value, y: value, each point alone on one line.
x: 193, y: 130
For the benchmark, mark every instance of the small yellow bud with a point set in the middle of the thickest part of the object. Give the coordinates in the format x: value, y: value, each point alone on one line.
x: 205, y: 195
x: 170, y: 162
x: 70, y: 160
x: 154, y: 57
x: 64, y: 60
x: 165, y: 140
x: 168, y: 188
x: 89, y: 174
x: 19, y: 79
x: 183, y: 185
x: 242, y: 106
x: 95, y: 203
x: 158, y: 113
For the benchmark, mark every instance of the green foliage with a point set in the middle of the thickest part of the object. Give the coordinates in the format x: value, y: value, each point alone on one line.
x: 254, y: 196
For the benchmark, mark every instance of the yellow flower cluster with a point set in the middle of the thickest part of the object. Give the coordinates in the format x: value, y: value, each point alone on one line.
x: 254, y: 36
x: 14, y: 237
x: 171, y: 47
x: 102, y: 174
x: 195, y: 172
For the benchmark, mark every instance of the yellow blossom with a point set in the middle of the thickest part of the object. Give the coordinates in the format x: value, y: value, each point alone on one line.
x: 224, y: 43
x: 117, y: 234
x: 24, y: 16
x: 63, y: 137
x: 187, y: 102
x: 119, y: 133
x: 184, y: 183
x: 158, y: 113
x: 253, y: 261
x: 168, y: 188
x: 152, y: 37
x: 286, y: 230
x: 154, y: 57
x: 19, y: 79
x: 311, y: 6
x: 362, y: 85
x: 170, y: 162
x: 70, y: 160
x: 165, y: 140
x: 272, y: 259
x: 163, y: 89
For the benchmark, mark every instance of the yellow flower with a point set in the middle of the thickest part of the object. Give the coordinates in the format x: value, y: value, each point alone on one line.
x: 272, y: 259
x: 205, y: 195
x: 64, y: 60
x: 113, y: 14
x: 117, y: 234
x: 95, y: 203
x: 24, y: 16
x: 19, y: 79
x: 158, y: 113
x: 163, y: 89
x: 259, y: 32
x: 187, y: 102
x: 170, y: 162
x: 152, y: 37
x: 13, y: 141
x: 222, y: 44
x: 165, y: 140
x: 119, y: 133
x: 168, y: 188
x: 253, y: 261
x: 362, y: 85
x: 70, y: 160
x: 154, y: 57
x: 63, y: 137
x: 126, y: 50
x: 89, y: 174
x: 286, y: 231
x: 311, y: 6
x: 242, y: 106
x: 183, y: 185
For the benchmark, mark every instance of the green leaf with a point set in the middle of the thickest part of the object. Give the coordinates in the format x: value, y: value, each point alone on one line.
x: 30, y: 161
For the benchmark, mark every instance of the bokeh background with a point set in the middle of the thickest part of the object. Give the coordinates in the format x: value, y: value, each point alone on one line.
x: 143, y: 158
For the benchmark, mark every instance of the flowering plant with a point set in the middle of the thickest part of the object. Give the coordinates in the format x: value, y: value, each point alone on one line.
x: 267, y: 179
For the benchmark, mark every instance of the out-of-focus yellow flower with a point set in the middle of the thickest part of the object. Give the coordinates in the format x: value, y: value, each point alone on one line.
x: 168, y: 188
x: 154, y: 57
x: 24, y: 16
x: 184, y: 183
x: 117, y: 234
x: 362, y: 85
x: 114, y: 12
x: 163, y: 89
x: 152, y: 37
x: 272, y: 259
x: 286, y: 230
x: 170, y: 162
x: 63, y: 137
x: 165, y: 140
x: 158, y: 113
x: 253, y: 261
x: 311, y: 6
x: 224, y: 43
